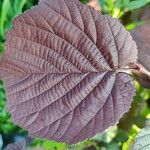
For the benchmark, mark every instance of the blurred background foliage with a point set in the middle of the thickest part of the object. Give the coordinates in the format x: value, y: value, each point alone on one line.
x: 131, y: 13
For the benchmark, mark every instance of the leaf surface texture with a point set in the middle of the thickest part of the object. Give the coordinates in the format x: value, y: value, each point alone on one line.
x: 60, y: 69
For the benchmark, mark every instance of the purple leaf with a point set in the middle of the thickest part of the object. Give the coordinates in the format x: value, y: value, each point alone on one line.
x: 141, y: 35
x: 62, y: 71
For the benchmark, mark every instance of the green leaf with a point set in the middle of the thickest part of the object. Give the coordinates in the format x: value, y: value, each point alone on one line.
x: 121, y: 136
x: 18, y: 6
x: 142, y: 140
x: 84, y: 1
x: 102, y: 4
x: 48, y: 144
x: 1, y: 47
x: 2, y: 95
x: 4, y: 12
x: 112, y: 146
x: 117, y: 8
x: 137, y: 4
x: 125, y: 2
x: 110, y: 4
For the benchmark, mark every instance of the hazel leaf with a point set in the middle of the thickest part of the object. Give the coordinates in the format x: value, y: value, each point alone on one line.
x: 61, y: 70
